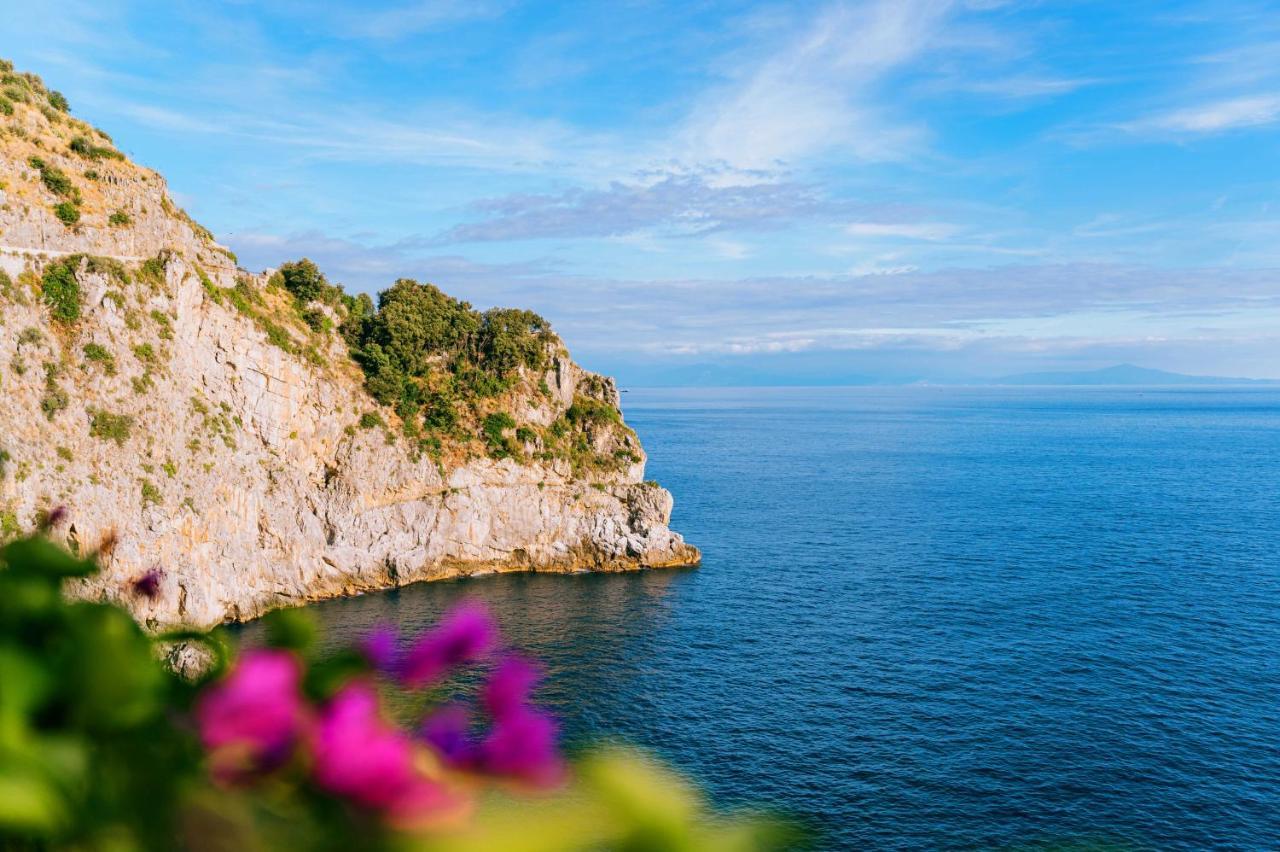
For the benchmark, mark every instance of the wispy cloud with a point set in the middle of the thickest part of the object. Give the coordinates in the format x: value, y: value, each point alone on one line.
x: 814, y: 92
x: 678, y: 205
x: 1214, y: 116
x: 906, y: 230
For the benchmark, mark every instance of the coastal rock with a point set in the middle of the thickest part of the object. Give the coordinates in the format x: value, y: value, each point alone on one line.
x: 240, y: 461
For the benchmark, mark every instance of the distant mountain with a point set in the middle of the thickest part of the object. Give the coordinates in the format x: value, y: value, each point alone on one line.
x: 1123, y: 374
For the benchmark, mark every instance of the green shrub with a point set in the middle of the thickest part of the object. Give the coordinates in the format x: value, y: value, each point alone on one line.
x: 58, y: 101
x: 441, y: 413
x: 151, y: 495
x: 61, y: 291
x: 317, y: 320
x: 510, y: 338
x: 163, y: 320
x: 277, y: 336
x: 119, y: 219
x: 305, y: 282
x: 54, y: 178
x: 67, y: 213
x: 495, y: 427
x: 55, y: 399
x: 152, y: 271
x: 110, y: 427
x: 370, y: 420
x: 6, y: 106
x: 586, y: 411
x: 99, y: 354
x: 64, y: 453
x: 82, y: 146
x: 145, y: 353
x: 30, y: 335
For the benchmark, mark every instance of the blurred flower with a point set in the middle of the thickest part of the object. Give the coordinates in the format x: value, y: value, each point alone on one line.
x: 53, y: 517
x: 148, y: 585
x: 510, y: 686
x: 522, y: 746
x: 448, y: 731
x: 467, y: 633
x: 380, y: 648
x: 252, y: 719
x: 374, y: 765
x: 522, y: 742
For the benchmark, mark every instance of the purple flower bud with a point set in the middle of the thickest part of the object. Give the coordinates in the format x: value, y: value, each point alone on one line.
x: 251, y: 720
x: 148, y: 585
x: 466, y: 634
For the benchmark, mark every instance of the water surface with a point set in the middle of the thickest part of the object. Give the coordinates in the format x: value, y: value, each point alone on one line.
x: 940, y: 618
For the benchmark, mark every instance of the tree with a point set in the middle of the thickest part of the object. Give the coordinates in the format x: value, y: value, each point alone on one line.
x: 304, y: 280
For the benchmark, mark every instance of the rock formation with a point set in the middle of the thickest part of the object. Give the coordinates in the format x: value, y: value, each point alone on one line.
x: 181, y: 408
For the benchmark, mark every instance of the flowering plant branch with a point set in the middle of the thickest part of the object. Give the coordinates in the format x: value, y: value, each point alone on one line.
x: 280, y: 747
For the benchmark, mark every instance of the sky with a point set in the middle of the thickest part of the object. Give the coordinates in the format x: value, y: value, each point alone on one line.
x: 701, y: 192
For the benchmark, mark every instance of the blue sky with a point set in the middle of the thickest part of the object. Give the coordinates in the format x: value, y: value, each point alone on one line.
x: 730, y: 191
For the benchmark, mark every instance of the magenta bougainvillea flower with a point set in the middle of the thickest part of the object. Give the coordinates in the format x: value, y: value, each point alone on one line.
x: 380, y: 648
x: 448, y: 731
x: 148, y: 584
x: 257, y: 718
x: 521, y: 743
x: 510, y: 686
x: 372, y: 764
x: 466, y: 634
x: 522, y: 746
x: 252, y: 719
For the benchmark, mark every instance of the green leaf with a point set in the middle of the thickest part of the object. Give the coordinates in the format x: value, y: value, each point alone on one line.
x: 39, y: 555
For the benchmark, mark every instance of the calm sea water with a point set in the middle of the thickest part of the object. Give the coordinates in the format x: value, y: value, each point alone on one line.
x: 940, y: 618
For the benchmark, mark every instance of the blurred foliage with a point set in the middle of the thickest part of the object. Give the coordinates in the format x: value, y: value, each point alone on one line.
x: 103, y: 747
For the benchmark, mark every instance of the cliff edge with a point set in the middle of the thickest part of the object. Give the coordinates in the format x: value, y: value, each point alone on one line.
x: 245, y: 441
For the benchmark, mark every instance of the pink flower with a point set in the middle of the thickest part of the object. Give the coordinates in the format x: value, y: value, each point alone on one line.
x: 510, y: 686
x: 448, y: 731
x: 380, y: 648
x: 522, y: 742
x: 466, y: 634
x: 522, y: 746
x: 251, y: 720
x: 360, y: 757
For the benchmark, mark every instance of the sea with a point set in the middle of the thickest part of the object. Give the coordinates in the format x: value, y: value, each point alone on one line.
x: 937, y: 618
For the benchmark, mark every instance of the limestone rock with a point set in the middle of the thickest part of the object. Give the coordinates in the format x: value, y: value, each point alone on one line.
x: 173, y: 425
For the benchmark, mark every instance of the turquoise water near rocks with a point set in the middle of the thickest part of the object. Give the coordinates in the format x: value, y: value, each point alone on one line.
x: 939, y: 618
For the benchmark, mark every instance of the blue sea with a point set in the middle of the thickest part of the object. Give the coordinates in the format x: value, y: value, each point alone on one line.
x: 939, y: 618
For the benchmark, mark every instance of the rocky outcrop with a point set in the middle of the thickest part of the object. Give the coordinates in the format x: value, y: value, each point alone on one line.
x: 241, y: 474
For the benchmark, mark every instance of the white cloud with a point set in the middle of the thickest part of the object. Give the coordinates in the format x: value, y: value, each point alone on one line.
x: 814, y: 93
x: 1216, y: 116
x: 906, y: 230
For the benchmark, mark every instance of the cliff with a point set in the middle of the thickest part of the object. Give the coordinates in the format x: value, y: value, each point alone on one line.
x: 214, y: 428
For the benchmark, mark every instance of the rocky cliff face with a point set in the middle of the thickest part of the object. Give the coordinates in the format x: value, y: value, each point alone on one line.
x: 185, y: 414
